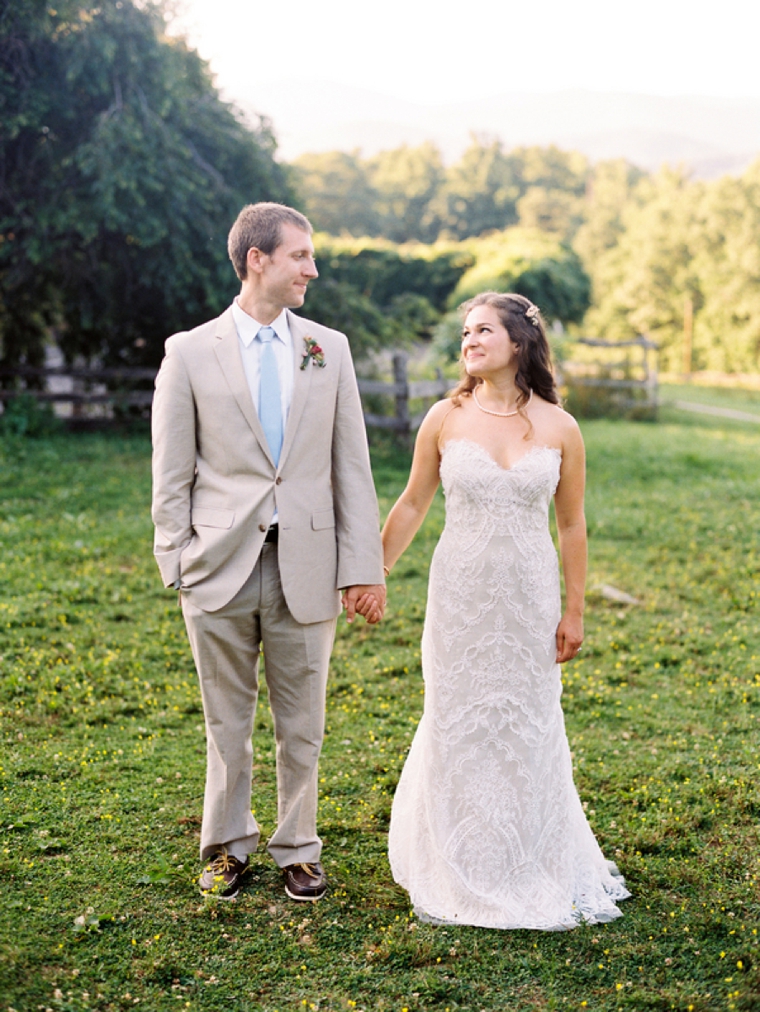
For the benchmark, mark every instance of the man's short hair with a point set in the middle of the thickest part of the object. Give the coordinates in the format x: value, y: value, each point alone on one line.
x: 260, y: 226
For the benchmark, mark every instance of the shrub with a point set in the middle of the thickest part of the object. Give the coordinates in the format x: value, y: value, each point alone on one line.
x: 26, y: 416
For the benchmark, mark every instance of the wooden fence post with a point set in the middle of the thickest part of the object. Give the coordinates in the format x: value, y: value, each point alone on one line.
x: 401, y: 379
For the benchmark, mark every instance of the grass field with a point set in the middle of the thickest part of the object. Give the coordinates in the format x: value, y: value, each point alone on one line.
x: 103, y: 758
x: 736, y: 398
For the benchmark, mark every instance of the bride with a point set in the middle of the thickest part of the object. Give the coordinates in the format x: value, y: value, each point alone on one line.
x: 487, y: 828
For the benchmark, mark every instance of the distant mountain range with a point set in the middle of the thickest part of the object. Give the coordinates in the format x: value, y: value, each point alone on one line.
x: 712, y: 136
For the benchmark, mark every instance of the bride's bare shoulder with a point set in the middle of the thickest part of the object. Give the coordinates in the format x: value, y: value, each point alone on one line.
x: 445, y: 409
x: 554, y: 411
x: 442, y: 408
x: 434, y: 420
x: 564, y: 417
x: 561, y: 425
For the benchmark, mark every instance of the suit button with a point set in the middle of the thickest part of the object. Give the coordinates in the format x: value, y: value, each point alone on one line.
x: 278, y: 481
x: 262, y: 527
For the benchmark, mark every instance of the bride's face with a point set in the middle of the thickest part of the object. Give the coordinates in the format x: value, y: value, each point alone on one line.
x: 486, y: 346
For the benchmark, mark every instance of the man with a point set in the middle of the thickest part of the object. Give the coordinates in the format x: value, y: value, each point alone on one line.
x: 264, y: 507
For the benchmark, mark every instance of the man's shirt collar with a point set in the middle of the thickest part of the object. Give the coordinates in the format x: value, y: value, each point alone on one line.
x: 248, y: 328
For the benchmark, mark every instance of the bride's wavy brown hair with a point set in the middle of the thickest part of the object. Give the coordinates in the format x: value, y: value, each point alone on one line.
x: 534, y: 358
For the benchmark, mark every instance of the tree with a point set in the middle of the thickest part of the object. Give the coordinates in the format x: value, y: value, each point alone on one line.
x: 556, y: 212
x: 407, y: 195
x: 531, y: 263
x: 642, y: 281
x: 379, y: 294
x: 552, y: 184
x: 609, y: 190
x: 337, y: 195
x: 120, y: 173
x: 551, y: 168
x: 727, y: 262
x: 479, y: 193
x: 609, y: 195
x: 406, y: 181
x: 393, y: 195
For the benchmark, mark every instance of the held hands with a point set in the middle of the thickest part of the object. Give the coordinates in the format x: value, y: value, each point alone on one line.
x: 569, y: 637
x: 367, y: 600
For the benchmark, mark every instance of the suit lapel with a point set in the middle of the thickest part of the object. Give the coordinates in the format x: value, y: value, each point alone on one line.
x: 227, y: 349
x: 301, y: 383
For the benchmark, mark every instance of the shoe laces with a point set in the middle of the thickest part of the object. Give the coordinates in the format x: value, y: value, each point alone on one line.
x: 222, y: 863
x: 309, y: 869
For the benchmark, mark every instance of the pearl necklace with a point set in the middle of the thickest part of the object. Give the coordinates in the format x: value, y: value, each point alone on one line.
x: 499, y: 414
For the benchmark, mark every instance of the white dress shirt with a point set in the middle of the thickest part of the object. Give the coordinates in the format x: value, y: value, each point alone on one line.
x: 250, y: 352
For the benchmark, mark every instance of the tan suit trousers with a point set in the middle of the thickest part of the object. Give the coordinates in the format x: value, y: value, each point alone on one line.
x: 226, y: 645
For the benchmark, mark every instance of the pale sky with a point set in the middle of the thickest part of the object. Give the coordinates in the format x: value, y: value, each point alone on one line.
x: 437, y: 52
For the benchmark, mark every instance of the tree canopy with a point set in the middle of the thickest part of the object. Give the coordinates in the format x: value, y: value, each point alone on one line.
x: 121, y: 170
x: 408, y: 195
x: 675, y: 247
x: 382, y: 294
x: 533, y: 263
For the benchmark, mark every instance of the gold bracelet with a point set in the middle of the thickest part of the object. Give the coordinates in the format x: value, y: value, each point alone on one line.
x: 386, y: 571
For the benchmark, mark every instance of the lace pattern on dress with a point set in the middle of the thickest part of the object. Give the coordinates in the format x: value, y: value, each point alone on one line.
x: 487, y: 828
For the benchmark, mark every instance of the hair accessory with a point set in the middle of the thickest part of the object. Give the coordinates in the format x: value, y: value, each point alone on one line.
x: 532, y: 314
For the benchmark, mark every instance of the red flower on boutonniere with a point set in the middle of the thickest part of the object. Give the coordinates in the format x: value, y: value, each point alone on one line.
x: 313, y: 352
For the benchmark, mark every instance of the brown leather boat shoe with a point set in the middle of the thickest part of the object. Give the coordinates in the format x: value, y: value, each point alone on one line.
x: 305, y: 881
x: 221, y: 876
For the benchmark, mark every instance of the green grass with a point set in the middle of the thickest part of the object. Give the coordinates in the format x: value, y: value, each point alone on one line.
x: 736, y: 398
x: 103, y: 759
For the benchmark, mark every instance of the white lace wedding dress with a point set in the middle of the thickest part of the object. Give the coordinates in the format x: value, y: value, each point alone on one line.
x: 487, y: 828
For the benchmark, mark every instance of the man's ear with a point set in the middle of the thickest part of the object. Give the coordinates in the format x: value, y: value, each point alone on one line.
x: 254, y: 260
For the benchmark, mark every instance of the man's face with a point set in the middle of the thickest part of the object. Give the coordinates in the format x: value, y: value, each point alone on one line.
x: 287, y: 272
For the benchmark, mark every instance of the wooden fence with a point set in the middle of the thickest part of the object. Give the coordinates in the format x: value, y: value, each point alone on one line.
x: 98, y: 397
x: 403, y: 390
x: 112, y: 392
x: 607, y: 384
x: 110, y: 387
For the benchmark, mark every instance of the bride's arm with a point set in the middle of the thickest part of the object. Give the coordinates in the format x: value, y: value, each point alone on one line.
x: 409, y: 510
x: 571, y: 527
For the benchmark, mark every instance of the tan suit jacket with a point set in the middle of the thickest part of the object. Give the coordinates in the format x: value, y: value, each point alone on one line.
x: 216, y: 488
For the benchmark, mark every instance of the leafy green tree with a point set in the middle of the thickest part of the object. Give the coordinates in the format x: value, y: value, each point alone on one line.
x: 337, y: 195
x: 531, y: 263
x: 120, y: 173
x: 556, y: 212
x: 550, y: 168
x: 642, y: 281
x: 552, y: 185
x: 609, y: 195
x: 727, y: 262
x: 479, y: 193
x: 407, y: 181
x: 339, y: 304
x: 384, y: 271
x: 655, y: 244
x: 609, y: 191
x: 382, y: 295
x: 407, y: 195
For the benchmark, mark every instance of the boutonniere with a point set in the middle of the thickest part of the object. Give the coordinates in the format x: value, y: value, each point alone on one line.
x: 312, y: 352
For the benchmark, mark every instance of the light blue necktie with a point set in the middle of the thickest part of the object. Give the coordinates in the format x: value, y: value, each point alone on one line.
x: 270, y: 404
